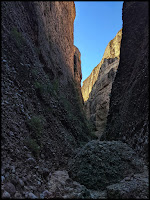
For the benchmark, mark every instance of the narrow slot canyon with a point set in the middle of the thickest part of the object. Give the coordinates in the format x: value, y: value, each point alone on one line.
x: 61, y: 139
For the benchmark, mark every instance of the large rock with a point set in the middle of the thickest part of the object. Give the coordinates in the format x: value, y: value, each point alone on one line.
x: 129, y: 103
x: 10, y: 188
x: 135, y: 187
x: 99, y: 164
x: 61, y: 185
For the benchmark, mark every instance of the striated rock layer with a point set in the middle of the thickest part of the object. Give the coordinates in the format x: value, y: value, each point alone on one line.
x: 128, y: 115
x: 96, y: 103
x: 97, y: 106
x: 42, y: 116
x: 112, y: 50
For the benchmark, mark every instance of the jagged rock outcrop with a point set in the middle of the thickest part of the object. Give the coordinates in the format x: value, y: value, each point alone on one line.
x: 97, y: 106
x: 129, y: 103
x: 135, y: 186
x: 112, y: 50
x: 42, y: 120
x: 96, y: 103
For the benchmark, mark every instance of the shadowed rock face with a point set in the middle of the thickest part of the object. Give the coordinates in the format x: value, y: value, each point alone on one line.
x: 78, y: 72
x: 112, y: 50
x: 42, y: 119
x: 128, y: 115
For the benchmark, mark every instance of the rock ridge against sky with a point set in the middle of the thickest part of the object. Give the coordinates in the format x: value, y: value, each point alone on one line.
x: 112, y: 50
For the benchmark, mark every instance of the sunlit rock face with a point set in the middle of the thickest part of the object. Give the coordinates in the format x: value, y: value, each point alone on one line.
x: 96, y: 88
x: 128, y: 116
x: 56, y: 25
x: 97, y: 106
x: 112, y: 50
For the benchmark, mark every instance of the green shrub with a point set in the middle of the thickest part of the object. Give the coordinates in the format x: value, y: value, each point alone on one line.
x: 39, y: 86
x: 18, y: 37
x: 47, y: 88
x: 33, y: 146
x: 37, y: 50
x: 34, y: 72
x: 65, y: 103
x: 56, y: 86
x: 36, y: 124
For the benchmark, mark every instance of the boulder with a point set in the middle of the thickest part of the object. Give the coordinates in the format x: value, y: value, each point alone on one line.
x: 10, y: 188
x: 5, y: 195
x: 101, y: 163
x: 131, y: 187
x: 61, y: 186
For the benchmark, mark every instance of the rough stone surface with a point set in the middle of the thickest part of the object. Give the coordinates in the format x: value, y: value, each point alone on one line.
x: 32, y: 196
x: 77, y: 71
x: 112, y: 50
x: 6, y: 195
x: 135, y: 187
x: 10, y: 188
x: 61, y: 186
x: 42, y: 115
x: 99, y: 164
x: 97, y: 106
x: 129, y: 103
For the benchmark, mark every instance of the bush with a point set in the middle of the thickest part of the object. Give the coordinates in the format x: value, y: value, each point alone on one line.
x: 33, y: 146
x: 36, y: 124
x: 56, y: 86
x: 39, y: 86
x: 47, y: 88
x: 18, y: 37
x: 65, y: 103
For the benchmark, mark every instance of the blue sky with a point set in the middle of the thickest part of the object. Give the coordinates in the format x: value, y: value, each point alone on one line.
x: 96, y: 23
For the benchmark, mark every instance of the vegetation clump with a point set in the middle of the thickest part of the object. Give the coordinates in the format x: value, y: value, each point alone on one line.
x: 33, y: 146
x: 36, y: 124
x: 19, y: 40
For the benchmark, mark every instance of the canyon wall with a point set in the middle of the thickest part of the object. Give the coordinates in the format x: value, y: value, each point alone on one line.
x: 78, y: 72
x: 128, y: 114
x: 112, y: 50
x: 97, y: 165
x: 96, y: 103
x: 42, y: 115
x: 97, y: 106
x: 43, y: 126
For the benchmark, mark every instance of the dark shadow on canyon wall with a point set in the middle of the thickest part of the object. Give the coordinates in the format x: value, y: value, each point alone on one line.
x: 40, y: 100
x: 129, y: 103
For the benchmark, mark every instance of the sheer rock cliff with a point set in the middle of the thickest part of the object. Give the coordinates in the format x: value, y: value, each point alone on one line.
x: 112, y: 50
x: 42, y: 115
x: 46, y: 147
x: 125, y: 140
x: 129, y: 103
x: 97, y: 106
x: 96, y: 103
